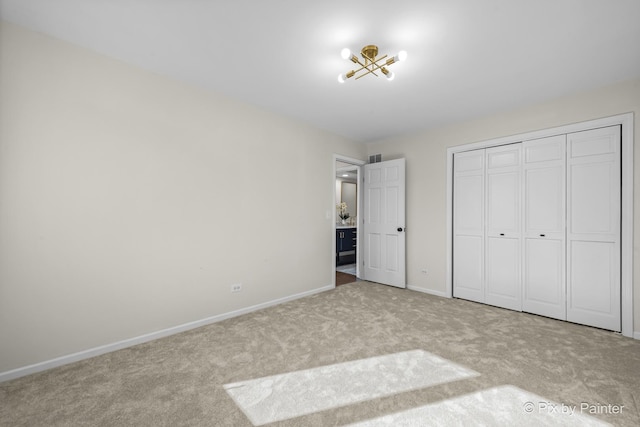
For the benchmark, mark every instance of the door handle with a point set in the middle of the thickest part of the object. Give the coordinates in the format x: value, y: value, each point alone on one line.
x: 542, y: 235
x: 400, y: 229
x: 502, y: 234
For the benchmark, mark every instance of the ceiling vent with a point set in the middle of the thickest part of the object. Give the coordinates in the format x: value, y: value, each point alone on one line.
x: 375, y: 158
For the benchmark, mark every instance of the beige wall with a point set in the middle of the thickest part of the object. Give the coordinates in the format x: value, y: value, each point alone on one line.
x: 129, y: 203
x: 426, y: 170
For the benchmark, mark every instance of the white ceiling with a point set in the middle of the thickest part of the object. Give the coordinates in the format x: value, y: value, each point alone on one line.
x: 467, y: 58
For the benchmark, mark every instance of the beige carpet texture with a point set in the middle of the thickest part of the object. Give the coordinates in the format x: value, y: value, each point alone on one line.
x: 363, y: 354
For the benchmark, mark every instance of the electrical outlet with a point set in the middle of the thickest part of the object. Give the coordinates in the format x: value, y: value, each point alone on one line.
x: 236, y: 287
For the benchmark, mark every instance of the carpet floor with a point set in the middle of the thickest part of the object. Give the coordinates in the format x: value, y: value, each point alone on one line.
x: 180, y: 380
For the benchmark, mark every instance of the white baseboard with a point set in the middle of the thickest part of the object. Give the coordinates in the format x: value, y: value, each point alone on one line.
x: 96, y: 351
x: 636, y: 335
x: 428, y: 291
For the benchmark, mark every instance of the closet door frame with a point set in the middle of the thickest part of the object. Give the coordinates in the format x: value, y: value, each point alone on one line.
x: 626, y: 277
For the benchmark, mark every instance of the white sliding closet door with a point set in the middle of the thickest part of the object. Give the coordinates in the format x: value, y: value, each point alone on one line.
x: 468, y: 225
x: 537, y: 226
x: 544, y: 227
x: 503, y: 229
x: 593, y: 227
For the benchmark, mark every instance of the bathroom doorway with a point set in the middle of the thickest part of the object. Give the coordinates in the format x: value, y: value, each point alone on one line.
x: 347, y: 203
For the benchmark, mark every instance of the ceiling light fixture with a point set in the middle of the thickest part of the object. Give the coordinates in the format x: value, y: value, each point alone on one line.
x: 371, y: 63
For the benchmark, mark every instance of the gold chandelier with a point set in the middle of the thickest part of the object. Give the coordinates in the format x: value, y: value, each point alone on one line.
x: 371, y: 63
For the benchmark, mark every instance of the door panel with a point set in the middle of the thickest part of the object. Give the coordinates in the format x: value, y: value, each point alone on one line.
x: 595, y: 142
x: 469, y: 204
x: 392, y: 200
x: 468, y: 225
x: 593, y: 228
x: 392, y: 256
x: 372, y: 204
x: 503, y: 230
x: 594, y: 297
x: 500, y: 157
x: 384, y: 216
x: 471, y: 161
x: 591, y: 198
x: 591, y: 268
x: 503, y: 272
x: 544, y: 199
x: 544, y: 285
x: 374, y: 250
x: 544, y: 149
x: 503, y: 202
x: 469, y: 268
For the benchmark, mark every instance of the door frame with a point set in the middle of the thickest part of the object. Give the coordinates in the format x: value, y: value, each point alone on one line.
x: 626, y: 232
x: 359, y: 202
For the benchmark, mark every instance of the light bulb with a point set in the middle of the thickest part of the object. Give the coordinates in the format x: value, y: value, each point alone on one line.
x: 390, y: 75
x: 346, y: 53
x: 342, y: 78
x: 401, y: 56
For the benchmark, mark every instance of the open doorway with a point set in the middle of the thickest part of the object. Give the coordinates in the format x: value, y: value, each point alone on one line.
x: 347, y: 202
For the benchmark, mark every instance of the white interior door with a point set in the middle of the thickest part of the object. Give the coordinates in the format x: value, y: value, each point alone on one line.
x: 503, y: 229
x: 384, y: 223
x: 593, y: 227
x: 468, y: 225
x: 544, y: 287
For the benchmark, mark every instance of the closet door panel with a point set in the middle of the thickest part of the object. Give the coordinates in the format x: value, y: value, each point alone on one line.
x: 469, y: 268
x: 503, y: 210
x: 593, y: 277
x: 468, y: 225
x: 591, y: 198
x: 469, y: 215
x: 503, y: 272
x: 544, y: 285
x: 503, y: 229
x: 544, y: 199
x: 593, y: 228
x: 547, y: 149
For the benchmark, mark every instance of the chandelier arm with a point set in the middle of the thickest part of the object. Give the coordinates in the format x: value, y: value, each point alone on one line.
x: 364, y: 67
x: 374, y: 67
x: 364, y: 74
x: 368, y: 72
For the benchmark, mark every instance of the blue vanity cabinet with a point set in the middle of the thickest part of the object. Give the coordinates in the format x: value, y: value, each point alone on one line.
x: 346, y: 245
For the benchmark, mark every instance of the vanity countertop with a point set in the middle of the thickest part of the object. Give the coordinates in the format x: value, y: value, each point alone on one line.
x: 342, y: 227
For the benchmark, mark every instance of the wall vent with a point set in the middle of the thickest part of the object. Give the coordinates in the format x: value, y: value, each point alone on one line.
x: 375, y: 158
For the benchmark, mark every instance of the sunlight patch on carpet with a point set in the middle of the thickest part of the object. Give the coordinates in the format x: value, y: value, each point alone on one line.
x: 280, y: 397
x: 498, y: 406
